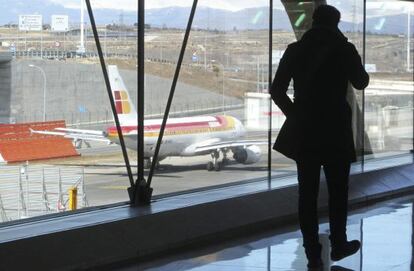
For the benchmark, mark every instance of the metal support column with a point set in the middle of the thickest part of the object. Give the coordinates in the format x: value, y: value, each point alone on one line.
x: 269, y: 135
x: 364, y: 35
x: 141, y: 192
x: 412, y: 108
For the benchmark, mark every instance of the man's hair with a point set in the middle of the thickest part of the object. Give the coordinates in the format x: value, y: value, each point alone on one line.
x: 326, y: 15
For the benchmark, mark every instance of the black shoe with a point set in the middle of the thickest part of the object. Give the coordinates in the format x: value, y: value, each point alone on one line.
x: 345, y: 250
x: 315, y: 264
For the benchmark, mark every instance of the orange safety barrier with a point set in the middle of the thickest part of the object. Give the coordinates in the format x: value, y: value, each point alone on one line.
x: 18, y: 144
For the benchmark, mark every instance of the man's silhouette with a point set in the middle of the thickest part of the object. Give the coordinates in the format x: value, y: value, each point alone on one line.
x: 321, y: 64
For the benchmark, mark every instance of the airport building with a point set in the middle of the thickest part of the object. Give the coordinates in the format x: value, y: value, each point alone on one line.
x: 138, y: 135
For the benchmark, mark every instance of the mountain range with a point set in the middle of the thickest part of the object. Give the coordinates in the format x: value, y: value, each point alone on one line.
x: 257, y: 18
x: 10, y: 11
x: 205, y: 18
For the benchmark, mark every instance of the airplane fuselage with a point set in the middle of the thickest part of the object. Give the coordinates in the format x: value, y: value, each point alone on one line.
x: 189, y: 136
x: 181, y: 135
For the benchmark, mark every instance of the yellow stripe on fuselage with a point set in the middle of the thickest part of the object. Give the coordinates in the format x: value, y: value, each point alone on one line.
x: 229, y: 126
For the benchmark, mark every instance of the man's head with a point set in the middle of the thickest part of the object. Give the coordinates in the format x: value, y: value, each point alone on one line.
x: 326, y: 15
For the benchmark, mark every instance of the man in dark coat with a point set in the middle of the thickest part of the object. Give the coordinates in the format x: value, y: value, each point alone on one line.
x: 321, y: 64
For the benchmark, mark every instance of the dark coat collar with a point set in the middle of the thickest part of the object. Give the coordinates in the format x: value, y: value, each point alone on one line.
x: 323, y: 34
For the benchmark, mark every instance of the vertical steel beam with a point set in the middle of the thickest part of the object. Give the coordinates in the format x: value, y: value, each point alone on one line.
x: 412, y: 235
x: 141, y: 87
x: 269, y: 256
x: 269, y: 134
x: 412, y: 149
x: 109, y: 90
x: 172, y: 91
x: 364, y: 35
x: 140, y: 193
x: 361, y: 251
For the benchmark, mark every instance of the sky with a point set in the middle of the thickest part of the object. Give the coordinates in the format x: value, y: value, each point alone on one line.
x: 232, y: 5
x: 375, y: 8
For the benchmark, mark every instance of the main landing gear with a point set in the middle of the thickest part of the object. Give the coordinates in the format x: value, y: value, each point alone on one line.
x: 215, y: 164
x: 148, y: 162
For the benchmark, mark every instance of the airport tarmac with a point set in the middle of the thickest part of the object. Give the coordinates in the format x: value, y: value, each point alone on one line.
x: 106, y: 178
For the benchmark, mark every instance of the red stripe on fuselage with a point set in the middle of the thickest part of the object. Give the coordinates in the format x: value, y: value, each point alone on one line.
x: 222, y: 121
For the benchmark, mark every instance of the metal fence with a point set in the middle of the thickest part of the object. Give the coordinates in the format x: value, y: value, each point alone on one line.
x: 28, y: 191
x: 58, y: 54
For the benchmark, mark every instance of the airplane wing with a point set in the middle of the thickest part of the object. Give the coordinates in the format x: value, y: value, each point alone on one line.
x: 81, y: 131
x: 211, y: 146
x: 76, y: 134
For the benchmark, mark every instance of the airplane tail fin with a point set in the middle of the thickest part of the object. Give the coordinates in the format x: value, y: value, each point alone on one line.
x: 125, y: 109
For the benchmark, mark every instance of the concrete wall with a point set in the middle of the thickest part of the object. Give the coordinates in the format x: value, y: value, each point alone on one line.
x: 5, y: 86
x: 73, y: 88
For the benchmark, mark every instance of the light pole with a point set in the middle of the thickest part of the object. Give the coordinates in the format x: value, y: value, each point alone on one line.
x: 203, y: 49
x: 44, y: 88
x: 222, y: 88
x: 81, y: 47
x: 222, y: 81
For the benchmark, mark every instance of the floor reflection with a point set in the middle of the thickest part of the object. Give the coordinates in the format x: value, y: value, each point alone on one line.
x: 385, y: 231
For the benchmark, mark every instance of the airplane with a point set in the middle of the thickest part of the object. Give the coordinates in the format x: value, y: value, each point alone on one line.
x: 186, y: 136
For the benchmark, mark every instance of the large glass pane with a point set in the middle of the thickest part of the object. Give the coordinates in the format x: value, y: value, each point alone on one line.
x: 389, y: 97
x: 103, y: 160
x: 205, y: 142
x: 285, y: 31
x: 54, y: 104
x: 351, y: 26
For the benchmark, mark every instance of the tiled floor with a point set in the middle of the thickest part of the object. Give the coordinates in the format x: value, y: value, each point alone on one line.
x: 384, y: 229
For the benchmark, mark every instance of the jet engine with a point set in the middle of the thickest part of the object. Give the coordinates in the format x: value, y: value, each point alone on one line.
x: 248, y: 155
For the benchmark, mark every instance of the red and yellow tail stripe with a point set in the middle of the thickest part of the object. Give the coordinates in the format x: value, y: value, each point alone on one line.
x: 122, y: 102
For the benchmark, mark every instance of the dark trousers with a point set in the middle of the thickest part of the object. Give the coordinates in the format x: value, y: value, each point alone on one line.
x: 337, y: 175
